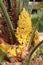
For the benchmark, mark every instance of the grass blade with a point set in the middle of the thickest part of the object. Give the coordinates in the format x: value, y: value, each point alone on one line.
x: 6, y: 54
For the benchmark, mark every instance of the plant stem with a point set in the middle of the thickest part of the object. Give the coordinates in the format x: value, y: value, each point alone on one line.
x: 6, y: 54
x: 18, y: 7
x: 30, y: 56
x: 33, y: 32
x: 8, y: 21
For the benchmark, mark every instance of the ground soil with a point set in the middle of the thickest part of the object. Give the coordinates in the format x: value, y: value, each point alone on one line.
x: 35, y: 61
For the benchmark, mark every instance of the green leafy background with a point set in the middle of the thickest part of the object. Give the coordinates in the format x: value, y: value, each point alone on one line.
x: 35, y: 18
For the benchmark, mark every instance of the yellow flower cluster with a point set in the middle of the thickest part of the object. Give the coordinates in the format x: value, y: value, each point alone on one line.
x: 13, y: 51
x: 36, y: 38
x: 36, y: 41
x: 5, y: 46
x: 20, y: 48
x: 24, y: 28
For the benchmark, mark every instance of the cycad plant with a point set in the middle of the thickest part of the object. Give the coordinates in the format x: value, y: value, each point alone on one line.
x: 25, y: 34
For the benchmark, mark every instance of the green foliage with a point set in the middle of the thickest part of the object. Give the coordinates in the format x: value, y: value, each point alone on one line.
x: 39, y: 54
x: 35, y: 18
x: 21, y: 4
x: 1, y: 58
x: 41, y: 47
x: 25, y: 2
x: 41, y: 5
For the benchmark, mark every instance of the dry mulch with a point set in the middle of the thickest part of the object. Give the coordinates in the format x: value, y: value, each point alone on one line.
x: 35, y: 61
